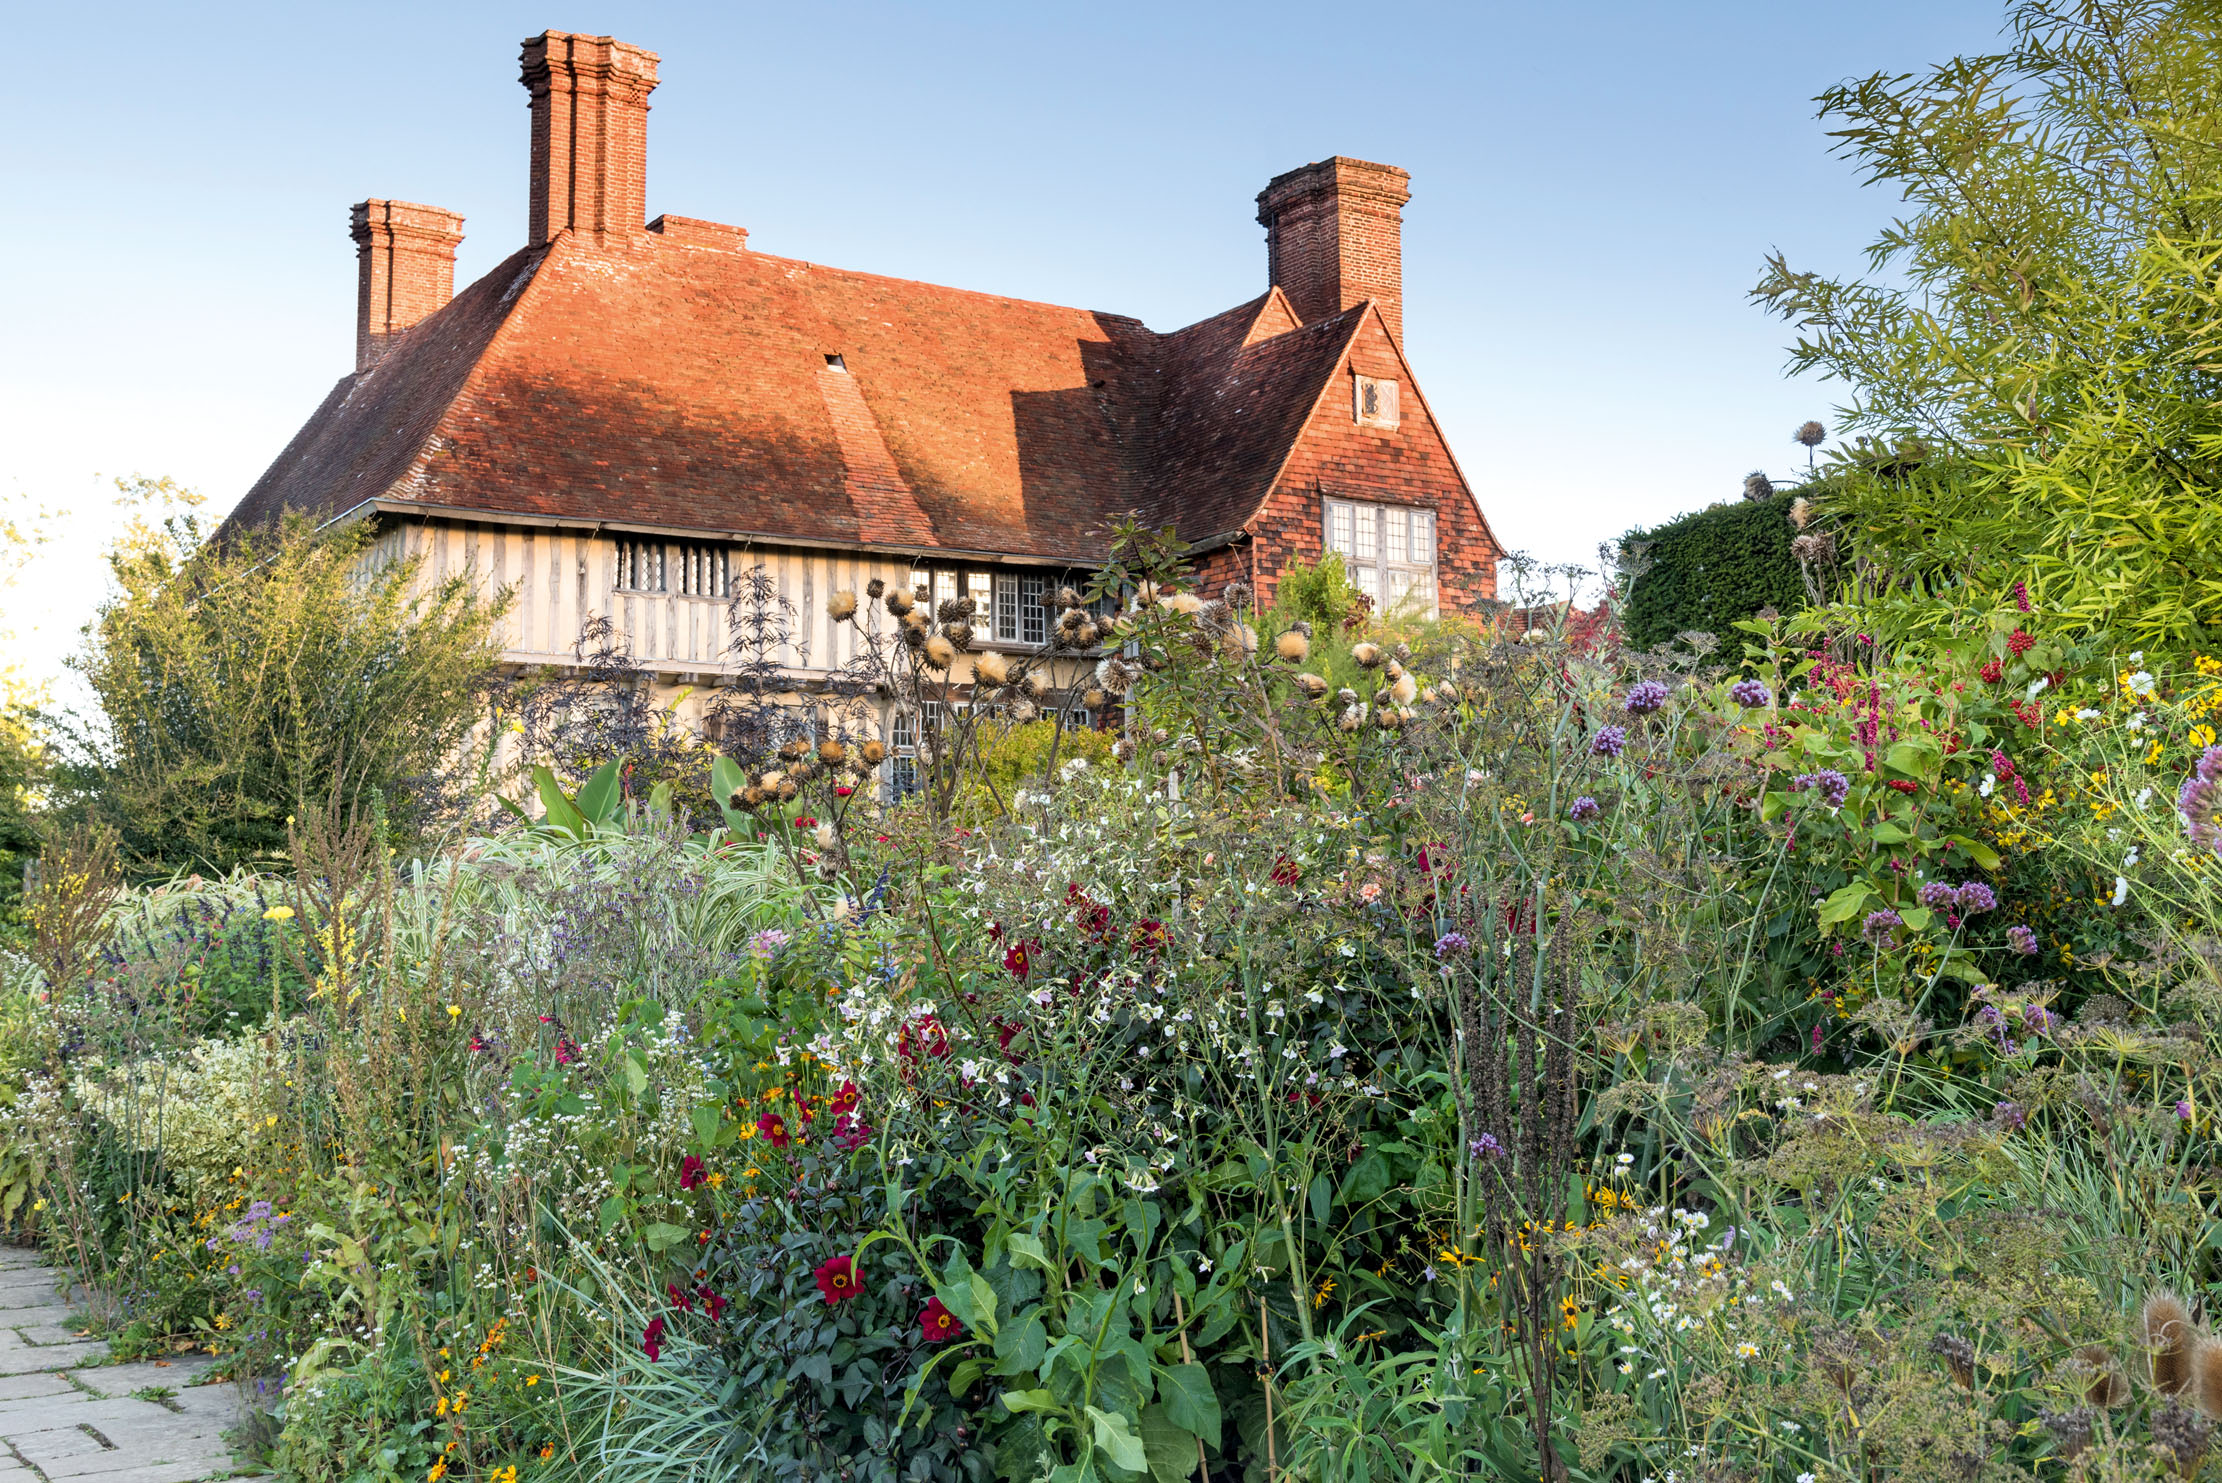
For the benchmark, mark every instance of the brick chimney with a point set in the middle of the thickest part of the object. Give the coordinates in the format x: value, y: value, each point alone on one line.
x: 1334, y: 237
x: 404, y: 270
x: 589, y: 135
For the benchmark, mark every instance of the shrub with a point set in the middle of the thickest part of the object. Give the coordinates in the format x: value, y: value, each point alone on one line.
x: 241, y: 683
x: 1709, y: 571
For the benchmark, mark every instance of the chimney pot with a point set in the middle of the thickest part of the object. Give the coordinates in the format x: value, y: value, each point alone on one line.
x: 404, y: 270
x: 589, y: 135
x: 1334, y: 237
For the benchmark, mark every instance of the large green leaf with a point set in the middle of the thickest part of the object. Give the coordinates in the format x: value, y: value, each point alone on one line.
x: 1171, y: 1448
x: 560, y: 812
x: 1116, y: 1436
x: 599, y: 800
x: 1189, y: 1400
x: 1846, y: 902
x: 726, y: 778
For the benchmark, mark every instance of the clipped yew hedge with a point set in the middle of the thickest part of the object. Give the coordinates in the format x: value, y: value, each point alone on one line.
x: 1712, y: 569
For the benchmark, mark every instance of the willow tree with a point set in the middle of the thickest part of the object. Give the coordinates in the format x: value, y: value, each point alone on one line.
x: 2034, y: 361
x: 242, y: 679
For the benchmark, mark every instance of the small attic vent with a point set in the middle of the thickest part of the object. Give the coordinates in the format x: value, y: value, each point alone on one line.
x: 835, y: 363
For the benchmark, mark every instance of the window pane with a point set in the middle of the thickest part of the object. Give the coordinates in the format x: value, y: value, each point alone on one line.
x: 1423, y: 537
x: 945, y: 588
x: 1368, y: 579
x: 1400, y: 523
x: 901, y: 731
x: 1339, y: 527
x: 1006, y: 608
x: 978, y: 587
x: 1368, y: 533
x: 1033, y: 612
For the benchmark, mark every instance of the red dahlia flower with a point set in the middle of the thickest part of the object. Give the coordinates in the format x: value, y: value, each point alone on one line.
x: 691, y: 1172
x: 923, y: 1037
x: 938, y: 1324
x: 773, y: 1129
x: 679, y: 1300
x: 1019, y: 961
x: 843, y: 1102
x: 837, y: 1279
x: 1286, y: 872
x: 714, y: 1305
x: 652, y: 1340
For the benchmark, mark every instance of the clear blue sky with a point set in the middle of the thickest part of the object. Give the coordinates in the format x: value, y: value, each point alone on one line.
x: 1593, y: 188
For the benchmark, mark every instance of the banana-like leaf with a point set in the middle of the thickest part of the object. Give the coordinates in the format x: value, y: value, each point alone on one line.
x: 600, y: 799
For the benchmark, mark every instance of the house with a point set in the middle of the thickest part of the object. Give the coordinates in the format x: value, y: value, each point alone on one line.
x: 628, y: 414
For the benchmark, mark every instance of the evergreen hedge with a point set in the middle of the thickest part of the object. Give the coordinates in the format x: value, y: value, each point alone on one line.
x: 1712, y: 569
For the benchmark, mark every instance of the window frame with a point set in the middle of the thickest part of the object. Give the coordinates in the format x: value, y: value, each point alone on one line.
x: 1386, y: 413
x: 631, y: 557
x: 1386, y: 574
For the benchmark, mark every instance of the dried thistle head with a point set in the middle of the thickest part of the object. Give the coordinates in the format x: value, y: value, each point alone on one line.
x: 1187, y: 602
x: 1367, y: 656
x: 875, y: 589
x: 1067, y: 598
x: 1023, y: 711
x: 832, y: 753
x: 873, y: 752
x: 1085, y: 635
x: 1758, y: 486
x: 1801, y: 512
x: 2206, y: 1376
x: 958, y: 633
x: 1094, y: 700
x: 795, y: 748
x: 991, y: 668
x: 938, y: 652
x: 841, y: 606
x: 2071, y: 1430
x: 2169, y: 1336
x: 1403, y: 691
x: 2184, y: 1435
x: 787, y: 788
x: 1810, y: 434
x: 750, y: 798
x: 1035, y: 683
x: 1814, y: 548
x: 2107, y: 1385
x: 1958, y: 1356
x: 1312, y: 685
x: 898, y: 601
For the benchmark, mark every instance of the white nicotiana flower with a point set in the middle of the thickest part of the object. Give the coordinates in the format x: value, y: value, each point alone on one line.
x: 2039, y: 686
x: 2144, y: 796
x: 2121, y: 889
x: 2140, y: 683
x: 2086, y: 714
x: 1990, y: 781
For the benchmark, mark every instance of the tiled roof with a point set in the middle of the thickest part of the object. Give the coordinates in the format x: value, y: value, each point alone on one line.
x: 678, y: 382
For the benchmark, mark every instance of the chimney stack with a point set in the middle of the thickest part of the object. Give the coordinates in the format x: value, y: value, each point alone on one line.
x: 405, y: 270
x: 589, y: 135
x: 1334, y: 237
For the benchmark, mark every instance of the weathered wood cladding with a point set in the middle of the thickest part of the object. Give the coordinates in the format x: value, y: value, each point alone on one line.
x: 560, y: 580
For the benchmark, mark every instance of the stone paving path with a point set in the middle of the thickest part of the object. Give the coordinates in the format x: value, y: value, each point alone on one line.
x: 66, y: 1415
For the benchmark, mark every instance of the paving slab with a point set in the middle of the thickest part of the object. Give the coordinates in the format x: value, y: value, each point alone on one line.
x: 65, y: 1417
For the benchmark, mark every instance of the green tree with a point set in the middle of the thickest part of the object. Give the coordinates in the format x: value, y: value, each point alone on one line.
x: 242, y: 679
x: 2035, y: 364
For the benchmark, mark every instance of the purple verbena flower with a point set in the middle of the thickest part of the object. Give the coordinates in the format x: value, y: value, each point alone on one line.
x: 2200, y: 800
x: 1646, y: 696
x: 1585, y: 808
x: 1937, y: 896
x: 2009, y: 1115
x: 1486, y: 1146
x: 2037, y: 1018
x: 1451, y: 942
x: 2022, y: 940
x: 1976, y: 897
x: 1751, y: 694
x: 1608, y: 741
x: 1832, y: 785
x: 2183, y: 1110
x: 1879, y: 926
